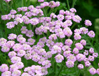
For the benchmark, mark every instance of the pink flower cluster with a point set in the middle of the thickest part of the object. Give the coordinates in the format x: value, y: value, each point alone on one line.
x: 57, y: 37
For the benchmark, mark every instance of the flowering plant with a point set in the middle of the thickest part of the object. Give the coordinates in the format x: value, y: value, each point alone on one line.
x: 46, y: 44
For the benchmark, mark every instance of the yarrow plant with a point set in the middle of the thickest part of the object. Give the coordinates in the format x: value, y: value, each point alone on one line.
x: 48, y: 44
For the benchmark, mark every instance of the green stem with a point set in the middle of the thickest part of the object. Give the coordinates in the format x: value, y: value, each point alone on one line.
x: 73, y: 26
x: 74, y: 1
x: 68, y: 4
x: 62, y: 66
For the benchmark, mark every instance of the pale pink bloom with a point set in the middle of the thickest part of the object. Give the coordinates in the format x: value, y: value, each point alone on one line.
x: 16, y: 73
x: 77, y: 36
x: 24, y: 29
x: 92, y: 71
x: 71, y: 57
x: 6, y: 73
x: 46, y: 63
x: 73, y: 10
x: 11, y: 54
x: 20, y: 65
x: 28, y: 56
x: 79, y: 46
x: 2, y: 41
x: 77, y: 18
x: 4, y: 17
x: 87, y: 63
x: 91, y: 58
x: 91, y: 34
x: 4, y: 67
x: 80, y: 66
x: 25, y: 74
x: 59, y: 58
x: 10, y: 25
x: 15, y: 59
x: 69, y: 64
x: 66, y: 53
x: 83, y: 42
x: 84, y: 30
x: 12, y: 36
x: 21, y: 53
x: 17, y: 47
x: 88, y: 23
x: 29, y: 33
x: 80, y: 57
x: 75, y: 50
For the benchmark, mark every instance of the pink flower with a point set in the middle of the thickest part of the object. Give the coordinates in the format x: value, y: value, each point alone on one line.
x: 10, y: 25
x: 40, y: 0
x: 68, y: 22
x: 25, y: 74
x: 13, y: 67
x: 2, y: 41
x: 24, y: 29
x: 86, y: 52
x: 67, y: 31
x: 91, y: 34
x: 62, y: 12
x: 5, y: 48
x: 4, y: 67
x: 68, y: 17
x: 15, y: 59
x: 34, y: 21
x: 36, y: 57
x: 31, y: 41
x: 21, y: 53
x: 17, y: 47
x: 66, y: 48
x: 83, y: 42
x: 75, y: 50
x: 91, y: 58
x: 84, y: 30
x: 6, y: 73
x: 44, y: 71
x: 71, y: 57
x: 80, y: 57
x: 77, y: 18
x: 95, y: 55
x: 91, y: 50
x: 20, y: 65
x: 97, y: 71
x: 80, y: 66
x: 92, y: 71
x: 11, y: 54
x: 28, y: 56
x: 13, y: 12
x: 73, y: 10
x: 10, y: 43
x: 29, y: 33
x: 46, y: 63
x: 4, y: 17
x: 87, y: 63
x: 88, y: 23
x: 7, y: 1
x: 56, y: 49
x: 16, y: 73
x: 69, y: 64
x: 66, y: 53
x: 77, y: 36
x: 79, y: 46
x: 12, y: 36
x: 53, y: 37
x: 59, y: 58
x: 60, y: 17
